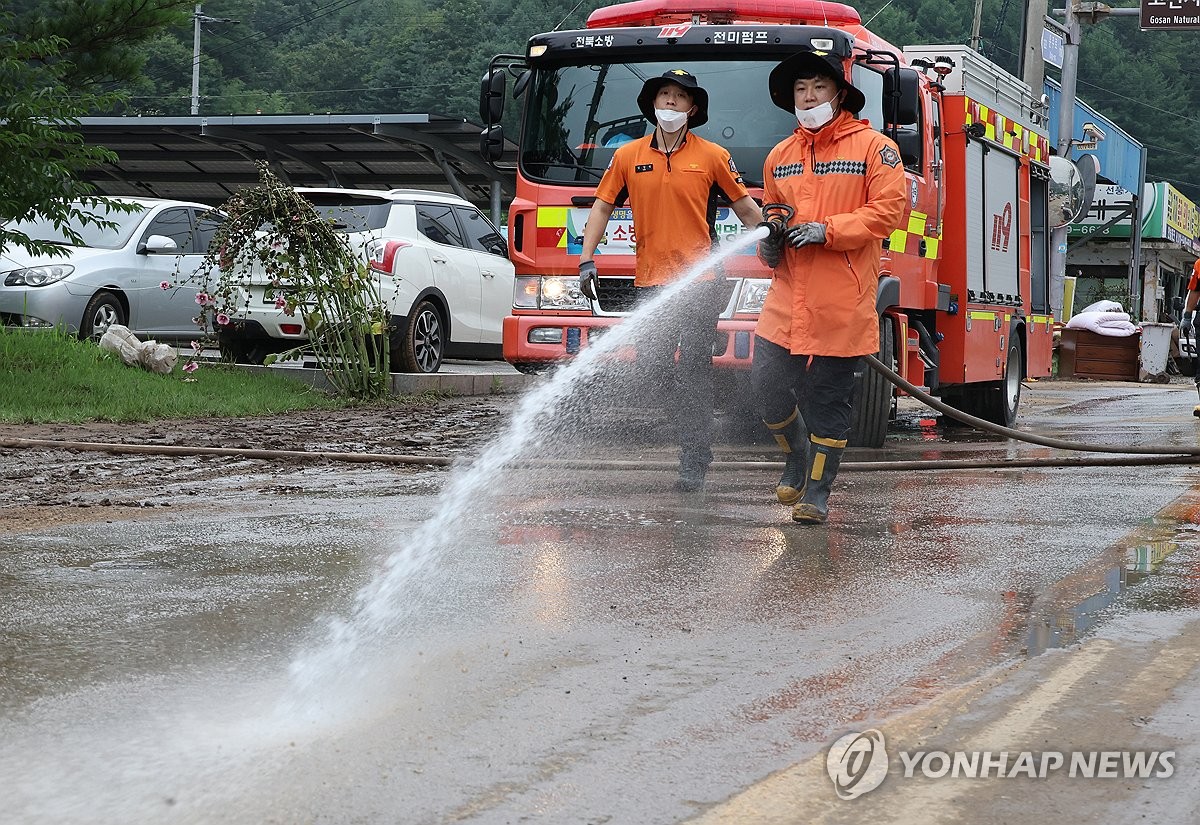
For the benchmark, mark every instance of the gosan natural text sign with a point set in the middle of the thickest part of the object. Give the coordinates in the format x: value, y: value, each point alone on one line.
x: 1171, y: 14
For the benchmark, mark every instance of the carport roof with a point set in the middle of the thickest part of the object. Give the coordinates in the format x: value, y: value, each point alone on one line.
x: 207, y: 159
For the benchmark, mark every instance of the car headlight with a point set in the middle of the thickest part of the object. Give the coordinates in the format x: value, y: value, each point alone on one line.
x: 753, y: 294
x: 548, y: 292
x: 38, y: 275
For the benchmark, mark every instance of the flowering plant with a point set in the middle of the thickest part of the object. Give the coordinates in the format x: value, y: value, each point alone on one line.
x: 272, y: 233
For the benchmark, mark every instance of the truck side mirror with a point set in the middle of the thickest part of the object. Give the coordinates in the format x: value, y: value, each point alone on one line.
x: 901, y: 96
x: 491, y: 143
x: 491, y: 96
x: 521, y: 84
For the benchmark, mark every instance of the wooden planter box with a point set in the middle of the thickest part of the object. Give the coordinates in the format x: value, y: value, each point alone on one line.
x: 1086, y: 354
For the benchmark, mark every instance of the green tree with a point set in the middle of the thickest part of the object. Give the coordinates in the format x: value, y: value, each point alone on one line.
x: 60, y: 61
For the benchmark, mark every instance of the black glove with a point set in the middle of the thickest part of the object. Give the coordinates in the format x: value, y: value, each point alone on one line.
x: 588, y: 280
x: 804, y: 234
x: 1185, y: 325
x: 770, y: 253
x: 770, y: 248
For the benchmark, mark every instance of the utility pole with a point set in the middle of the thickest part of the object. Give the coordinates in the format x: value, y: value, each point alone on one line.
x: 1073, y: 14
x: 1033, y: 65
x: 976, y: 41
x: 1066, y: 129
x: 196, y: 17
x: 199, y: 17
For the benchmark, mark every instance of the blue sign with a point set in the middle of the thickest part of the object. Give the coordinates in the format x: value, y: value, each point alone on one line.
x: 1052, y: 48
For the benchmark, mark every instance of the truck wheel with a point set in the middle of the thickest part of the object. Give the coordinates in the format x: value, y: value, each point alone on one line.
x: 423, y: 342
x: 104, y: 310
x: 997, y: 401
x: 873, y: 399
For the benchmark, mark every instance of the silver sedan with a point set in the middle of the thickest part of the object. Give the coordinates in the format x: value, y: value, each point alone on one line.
x: 141, y: 271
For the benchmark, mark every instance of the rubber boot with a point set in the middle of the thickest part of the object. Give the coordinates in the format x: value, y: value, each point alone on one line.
x: 825, y: 457
x: 791, y: 437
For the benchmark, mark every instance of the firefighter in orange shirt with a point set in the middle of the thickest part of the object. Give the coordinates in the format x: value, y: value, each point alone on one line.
x: 1186, y: 329
x: 671, y: 178
x: 846, y: 183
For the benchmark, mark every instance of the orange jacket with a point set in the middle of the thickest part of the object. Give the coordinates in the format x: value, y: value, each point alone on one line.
x: 849, y: 177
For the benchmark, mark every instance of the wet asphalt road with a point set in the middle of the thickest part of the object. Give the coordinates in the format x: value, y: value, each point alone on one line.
x: 583, y: 648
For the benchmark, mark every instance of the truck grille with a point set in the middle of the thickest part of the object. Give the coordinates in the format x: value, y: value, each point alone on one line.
x: 616, y: 294
x: 620, y: 295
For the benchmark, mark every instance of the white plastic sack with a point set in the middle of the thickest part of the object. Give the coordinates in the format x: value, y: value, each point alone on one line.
x: 1103, y: 306
x: 1113, y: 324
x: 149, y: 355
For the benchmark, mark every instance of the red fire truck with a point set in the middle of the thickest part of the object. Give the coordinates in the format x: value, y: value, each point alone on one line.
x: 963, y: 291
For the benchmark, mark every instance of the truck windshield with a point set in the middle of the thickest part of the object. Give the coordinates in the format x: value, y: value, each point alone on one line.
x: 578, y: 115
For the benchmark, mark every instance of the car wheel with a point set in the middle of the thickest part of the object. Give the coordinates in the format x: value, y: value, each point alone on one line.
x: 424, y: 341
x: 241, y: 352
x: 101, y: 312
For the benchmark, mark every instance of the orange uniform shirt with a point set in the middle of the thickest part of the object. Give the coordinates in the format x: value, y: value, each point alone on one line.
x: 1194, y: 282
x: 669, y: 196
x: 850, y: 178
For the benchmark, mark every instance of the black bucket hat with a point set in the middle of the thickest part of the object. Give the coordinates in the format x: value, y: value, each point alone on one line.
x: 679, y: 77
x: 783, y: 79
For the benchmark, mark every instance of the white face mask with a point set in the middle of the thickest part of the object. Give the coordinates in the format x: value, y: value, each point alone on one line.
x: 815, y: 117
x: 670, y: 120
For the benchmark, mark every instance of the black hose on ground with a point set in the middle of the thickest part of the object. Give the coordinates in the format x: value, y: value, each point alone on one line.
x: 1128, y: 456
x: 1041, y: 440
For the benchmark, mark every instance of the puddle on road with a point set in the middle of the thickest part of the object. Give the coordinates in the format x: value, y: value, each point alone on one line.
x: 1154, y: 568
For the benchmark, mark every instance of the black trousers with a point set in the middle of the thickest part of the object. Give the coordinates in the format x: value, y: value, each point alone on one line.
x: 821, y: 386
x: 686, y: 325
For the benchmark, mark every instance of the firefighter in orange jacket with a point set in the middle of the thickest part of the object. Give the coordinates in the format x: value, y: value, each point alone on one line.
x: 846, y: 183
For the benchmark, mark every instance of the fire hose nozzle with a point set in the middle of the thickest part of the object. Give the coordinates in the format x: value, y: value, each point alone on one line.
x: 776, y: 217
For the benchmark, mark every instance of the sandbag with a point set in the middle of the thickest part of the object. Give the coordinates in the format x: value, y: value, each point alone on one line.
x: 149, y: 355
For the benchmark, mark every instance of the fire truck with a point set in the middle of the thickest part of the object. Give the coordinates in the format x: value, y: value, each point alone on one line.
x: 964, y: 284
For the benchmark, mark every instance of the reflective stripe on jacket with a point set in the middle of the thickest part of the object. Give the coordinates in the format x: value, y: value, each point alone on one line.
x: 850, y: 178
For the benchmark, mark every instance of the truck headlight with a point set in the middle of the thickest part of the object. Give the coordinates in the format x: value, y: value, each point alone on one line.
x: 559, y: 292
x: 753, y: 294
x: 38, y: 275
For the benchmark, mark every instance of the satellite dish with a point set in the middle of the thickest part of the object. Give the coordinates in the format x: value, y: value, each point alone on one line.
x: 1066, y: 192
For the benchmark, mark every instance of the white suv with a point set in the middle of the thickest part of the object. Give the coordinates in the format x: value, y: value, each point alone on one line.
x: 444, y: 278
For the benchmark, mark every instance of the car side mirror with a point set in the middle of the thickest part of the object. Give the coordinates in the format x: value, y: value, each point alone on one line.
x: 491, y: 143
x: 498, y: 247
x: 157, y: 243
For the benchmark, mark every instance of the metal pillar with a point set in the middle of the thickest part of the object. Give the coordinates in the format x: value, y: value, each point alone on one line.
x: 496, y: 202
x: 1066, y: 130
x: 196, y: 18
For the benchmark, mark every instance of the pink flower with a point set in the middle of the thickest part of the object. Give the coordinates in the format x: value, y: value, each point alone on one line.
x: 164, y: 284
x: 191, y: 366
x: 196, y: 347
x: 222, y: 319
x: 280, y: 303
x: 202, y: 298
